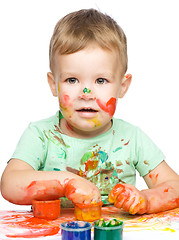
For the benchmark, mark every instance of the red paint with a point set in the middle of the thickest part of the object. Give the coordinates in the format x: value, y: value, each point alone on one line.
x: 146, y: 162
x: 127, y: 162
x: 49, y: 210
x: 153, y: 177
x: 45, y: 190
x: 117, y: 189
x: 10, y: 220
x: 65, y: 101
x: 90, y: 165
x: 125, y: 144
x: 108, y: 107
x: 33, y: 227
x: 36, y: 233
x: 70, y: 188
x: 166, y: 190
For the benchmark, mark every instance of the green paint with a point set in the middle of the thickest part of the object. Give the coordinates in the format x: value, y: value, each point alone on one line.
x: 86, y: 90
x: 56, y: 169
x: 108, y: 230
x: 117, y: 149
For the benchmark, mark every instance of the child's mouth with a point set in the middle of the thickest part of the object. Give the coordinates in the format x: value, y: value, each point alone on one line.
x: 86, y: 110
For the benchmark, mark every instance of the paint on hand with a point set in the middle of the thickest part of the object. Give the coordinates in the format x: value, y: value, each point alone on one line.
x: 44, y: 190
x: 108, y: 107
x: 129, y: 198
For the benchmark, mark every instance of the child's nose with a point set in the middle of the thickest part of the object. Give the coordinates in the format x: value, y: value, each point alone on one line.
x: 87, y: 94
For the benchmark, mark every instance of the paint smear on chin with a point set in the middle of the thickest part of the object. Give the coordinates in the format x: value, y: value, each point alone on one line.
x: 95, y: 122
x: 108, y: 107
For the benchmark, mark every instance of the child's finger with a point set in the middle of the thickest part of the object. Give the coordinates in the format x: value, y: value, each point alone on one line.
x: 117, y: 189
x: 138, y: 206
x: 127, y: 204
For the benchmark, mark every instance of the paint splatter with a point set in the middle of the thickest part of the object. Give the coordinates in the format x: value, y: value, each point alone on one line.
x: 108, y: 107
x: 146, y: 162
x: 86, y: 90
x: 153, y: 177
x: 117, y: 149
x: 21, y: 224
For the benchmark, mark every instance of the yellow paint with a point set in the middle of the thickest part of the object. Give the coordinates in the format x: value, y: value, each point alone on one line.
x: 94, y: 122
x: 58, y: 88
x: 168, y: 229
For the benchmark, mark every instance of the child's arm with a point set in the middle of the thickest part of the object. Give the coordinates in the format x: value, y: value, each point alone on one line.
x: 20, y: 184
x: 163, y: 193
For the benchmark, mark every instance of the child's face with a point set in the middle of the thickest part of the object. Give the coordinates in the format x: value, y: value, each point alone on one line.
x: 88, y: 84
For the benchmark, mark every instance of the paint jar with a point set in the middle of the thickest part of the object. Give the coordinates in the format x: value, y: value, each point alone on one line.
x: 108, y: 233
x: 88, y: 212
x: 49, y: 210
x: 76, y: 230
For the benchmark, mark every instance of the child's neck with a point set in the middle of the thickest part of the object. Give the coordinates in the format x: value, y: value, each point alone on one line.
x: 71, y: 131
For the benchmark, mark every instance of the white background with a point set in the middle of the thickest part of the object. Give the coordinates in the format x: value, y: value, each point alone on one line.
x: 152, y: 29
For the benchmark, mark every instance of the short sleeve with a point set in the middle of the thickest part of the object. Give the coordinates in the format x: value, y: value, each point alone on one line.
x: 148, y: 155
x: 31, y: 147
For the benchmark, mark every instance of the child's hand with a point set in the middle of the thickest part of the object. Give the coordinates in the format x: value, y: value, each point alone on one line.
x: 79, y: 190
x: 126, y: 196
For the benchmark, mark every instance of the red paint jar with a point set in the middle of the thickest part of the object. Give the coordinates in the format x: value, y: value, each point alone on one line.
x: 88, y: 212
x: 49, y: 210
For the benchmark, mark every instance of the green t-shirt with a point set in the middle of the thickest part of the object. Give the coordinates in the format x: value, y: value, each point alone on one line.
x: 105, y: 160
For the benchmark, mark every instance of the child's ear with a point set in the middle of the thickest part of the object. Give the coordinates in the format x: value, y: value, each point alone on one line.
x: 125, y: 83
x: 52, y: 83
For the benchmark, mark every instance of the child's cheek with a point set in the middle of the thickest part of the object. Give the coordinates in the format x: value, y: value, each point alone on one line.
x: 66, y: 104
x: 108, y: 107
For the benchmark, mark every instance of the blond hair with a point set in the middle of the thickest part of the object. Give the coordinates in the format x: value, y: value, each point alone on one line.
x: 78, y: 29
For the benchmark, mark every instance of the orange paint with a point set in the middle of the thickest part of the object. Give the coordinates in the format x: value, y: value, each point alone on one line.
x: 22, y: 224
x: 33, y: 234
x: 45, y: 190
x: 117, y: 189
x: 88, y: 212
x: 108, y: 107
x: 33, y: 227
x: 49, y: 210
x: 125, y: 144
x: 153, y: 177
x: 90, y: 165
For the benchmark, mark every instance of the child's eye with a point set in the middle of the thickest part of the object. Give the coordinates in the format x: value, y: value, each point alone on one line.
x: 72, y: 80
x: 101, y: 81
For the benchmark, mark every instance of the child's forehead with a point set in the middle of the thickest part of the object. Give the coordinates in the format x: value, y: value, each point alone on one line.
x: 90, y: 61
x: 92, y: 51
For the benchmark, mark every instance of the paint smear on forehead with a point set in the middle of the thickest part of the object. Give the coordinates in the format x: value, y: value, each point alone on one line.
x: 108, y: 107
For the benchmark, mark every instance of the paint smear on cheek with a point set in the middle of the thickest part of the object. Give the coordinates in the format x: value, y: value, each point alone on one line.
x: 66, y: 104
x: 65, y: 101
x: 108, y: 107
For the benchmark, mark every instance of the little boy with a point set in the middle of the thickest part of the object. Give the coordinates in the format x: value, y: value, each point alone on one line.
x: 83, y: 152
